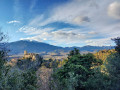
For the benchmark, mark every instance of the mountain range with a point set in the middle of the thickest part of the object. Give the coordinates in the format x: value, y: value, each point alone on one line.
x: 18, y: 47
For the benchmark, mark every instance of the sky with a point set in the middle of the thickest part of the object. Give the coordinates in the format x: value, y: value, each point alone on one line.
x: 61, y: 22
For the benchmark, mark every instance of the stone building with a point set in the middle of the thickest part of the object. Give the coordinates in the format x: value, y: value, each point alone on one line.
x: 27, y: 55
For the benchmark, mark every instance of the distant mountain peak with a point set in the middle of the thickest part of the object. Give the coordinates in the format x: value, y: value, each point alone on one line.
x: 37, y: 47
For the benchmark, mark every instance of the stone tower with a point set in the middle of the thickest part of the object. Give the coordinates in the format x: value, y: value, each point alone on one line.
x: 25, y: 52
x: 33, y: 57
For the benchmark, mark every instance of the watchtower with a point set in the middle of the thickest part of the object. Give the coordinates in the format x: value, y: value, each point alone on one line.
x: 25, y: 52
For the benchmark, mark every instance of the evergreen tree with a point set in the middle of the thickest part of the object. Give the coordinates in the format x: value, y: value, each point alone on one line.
x: 117, y: 42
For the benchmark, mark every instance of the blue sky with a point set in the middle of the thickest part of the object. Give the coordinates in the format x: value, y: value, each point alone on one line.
x: 61, y: 22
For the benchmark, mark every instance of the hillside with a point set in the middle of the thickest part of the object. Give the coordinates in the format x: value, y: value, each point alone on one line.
x: 33, y: 46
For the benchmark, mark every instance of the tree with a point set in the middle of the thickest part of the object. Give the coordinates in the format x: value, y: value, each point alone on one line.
x: 76, y: 71
x: 117, y: 42
x: 12, y: 78
x: 4, y: 70
x: 74, y: 52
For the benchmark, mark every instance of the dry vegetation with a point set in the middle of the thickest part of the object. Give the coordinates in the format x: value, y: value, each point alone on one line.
x: 43, y: 75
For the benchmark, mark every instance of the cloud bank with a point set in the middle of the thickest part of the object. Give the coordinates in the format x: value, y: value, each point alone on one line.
x: 101, y: 20
x: 114, y: 10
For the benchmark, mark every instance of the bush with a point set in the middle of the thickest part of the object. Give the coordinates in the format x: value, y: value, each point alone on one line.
x: 113, y: 68
x: 12, y: 78
x: 75, y: 72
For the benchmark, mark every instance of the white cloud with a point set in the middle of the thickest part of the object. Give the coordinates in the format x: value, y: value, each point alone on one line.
x: 66, y: 36
x: 36, y: 21
x: 34, y: 31
x: 66, y: 12
x: 77, y: 12
x: 80, y: 19
x: 14, y: 21
x: 32, y: 39
x: 92, y: 33
x: 92, y: 14
x: 114, y: 10
x: 99, y: 42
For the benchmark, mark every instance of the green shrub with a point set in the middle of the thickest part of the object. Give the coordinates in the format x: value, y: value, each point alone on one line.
x: 12, y: 78
x: 75, y: 72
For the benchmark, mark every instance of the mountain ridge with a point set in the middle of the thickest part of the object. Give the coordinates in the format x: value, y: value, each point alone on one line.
x: 18, y: 47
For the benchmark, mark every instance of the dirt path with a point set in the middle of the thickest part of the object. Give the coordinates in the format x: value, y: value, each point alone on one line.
x: 43, y: 75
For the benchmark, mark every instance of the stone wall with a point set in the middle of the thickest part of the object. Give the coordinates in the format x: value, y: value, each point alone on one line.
x: 29, y: 55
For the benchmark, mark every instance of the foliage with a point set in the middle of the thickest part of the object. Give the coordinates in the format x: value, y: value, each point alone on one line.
x: 108, y: 78
x: 53, y: 63
x: 30, y: 79
x: 74, y: 52
x: 98, y: 81
x: 117, y: 41
x: 12, y: 78
x: 29, y: 63
x: 18, y: 80
x: 76, y: 71
x: 62, y: 62
x: 113, y: 68
x: 103, y: 54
